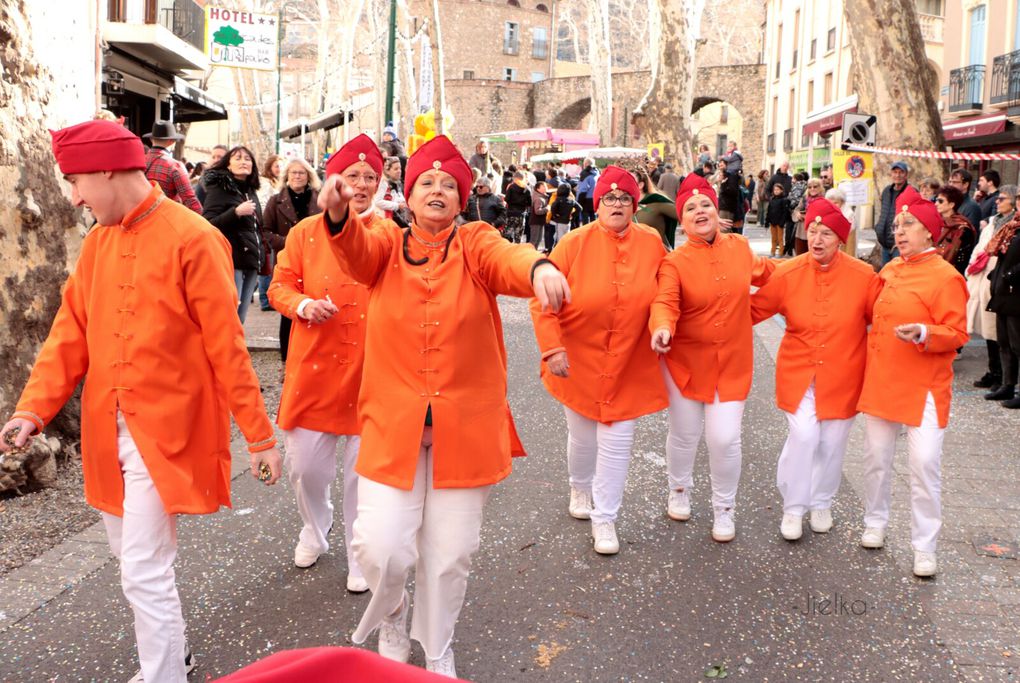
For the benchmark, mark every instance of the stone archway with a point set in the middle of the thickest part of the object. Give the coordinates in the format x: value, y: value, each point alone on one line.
x: 572, y: 115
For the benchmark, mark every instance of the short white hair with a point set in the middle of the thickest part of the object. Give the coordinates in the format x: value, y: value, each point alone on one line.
x: 313, y: 177
x: 836, y: 195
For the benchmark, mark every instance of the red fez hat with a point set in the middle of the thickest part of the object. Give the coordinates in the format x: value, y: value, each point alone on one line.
x: 95, y: 146
x: 616, y: 178
x: 439, y: 154
x: 692, y: 185
x: 361, y: 148
x: 826, y: 213
x: 921, y: 209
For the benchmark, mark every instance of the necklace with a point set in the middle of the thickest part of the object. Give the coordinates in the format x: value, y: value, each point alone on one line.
x: 430, y: 245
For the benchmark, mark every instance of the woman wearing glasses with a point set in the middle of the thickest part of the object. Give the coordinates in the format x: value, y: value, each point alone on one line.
x: 958, y: 237
x: 436, y: 429
x: 596, y: 353
x: 705, y: 284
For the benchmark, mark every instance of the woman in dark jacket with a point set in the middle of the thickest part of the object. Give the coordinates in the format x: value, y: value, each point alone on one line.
x: 1005, y: 302
x: 958, y: 235
x: 297, y: 200
x: 518, y: 203
x: 232, y: 206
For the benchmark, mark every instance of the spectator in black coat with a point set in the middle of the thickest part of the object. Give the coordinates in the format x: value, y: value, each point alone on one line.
x: 518, y: 203
x: 988, y: 183
x: 484, y: 205
x: 961, y: 179
x: 884, y: 226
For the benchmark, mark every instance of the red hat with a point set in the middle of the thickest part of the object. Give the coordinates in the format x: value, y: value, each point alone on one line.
x: 694, y: 184
x: 616, y: 178
x: 823, y: 211
x: 361, y: 148
x: 439, y: 154
x: 95, y: 146
x: 921, y: 209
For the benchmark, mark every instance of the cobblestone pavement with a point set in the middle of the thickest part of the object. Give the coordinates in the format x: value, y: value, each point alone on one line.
x: 542, y: 606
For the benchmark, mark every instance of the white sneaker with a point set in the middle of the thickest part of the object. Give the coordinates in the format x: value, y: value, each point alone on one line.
x: 873, y: 537
x: 444, y: 666
x: 724, y: 529
x: 304, y: 557
x: 604, y: 535
x: 356, y: 584
x: 581, y: 504
x: 792, y: 526
x: 821, y: 521
x: 189, y: 665
x: 394, y: 643
x: 679, y: 505
x: 924, y: 563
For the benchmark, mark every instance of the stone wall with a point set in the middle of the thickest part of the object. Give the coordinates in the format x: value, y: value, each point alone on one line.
x: 488, y: 106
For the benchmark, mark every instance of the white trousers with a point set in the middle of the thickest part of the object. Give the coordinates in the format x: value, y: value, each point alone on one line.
x: 435, y: 531
x: 811, y: 464
x: 597, y: 459
x: 924, y: 456
x: 720, y: 421
x: 311, y: 466
x: 144, y: 540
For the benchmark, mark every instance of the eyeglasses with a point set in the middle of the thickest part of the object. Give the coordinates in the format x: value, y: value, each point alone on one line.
x: 940, y: 200
x: 367, y: 178
x: 617, y: 199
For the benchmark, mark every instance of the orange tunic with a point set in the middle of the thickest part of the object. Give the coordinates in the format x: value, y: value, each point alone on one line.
x: 324, y: 362
x: 922, y: 289
x: 827, y: 311
x: 707, y: 288
x: 614, y: 374
x: 149, y: 317
x: 435, y: 337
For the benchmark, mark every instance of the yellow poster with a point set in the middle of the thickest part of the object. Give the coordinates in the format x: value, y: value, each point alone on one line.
x: 853, y: 172
x: 657, y: 150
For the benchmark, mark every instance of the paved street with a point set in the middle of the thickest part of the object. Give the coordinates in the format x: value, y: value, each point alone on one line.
x: 542, y: 606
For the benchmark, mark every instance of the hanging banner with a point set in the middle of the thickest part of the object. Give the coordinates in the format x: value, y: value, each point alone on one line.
x: 426, y: 88
x: 243, y: 40
x: 657, y: 151
x: 853, y: 172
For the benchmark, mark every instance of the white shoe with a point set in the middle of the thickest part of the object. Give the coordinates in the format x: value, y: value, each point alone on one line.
x: 356, y: 584
x: 821, y: 521
x: 189, y: 665
x: 394, y: 643
x: 304, y: 557
x: 792, y: 526
x: 444, y: 666
x: 581, y: 504
x: 679, y: 505
x: 873, y: 537
x: 924, y: 563
x: 724, y: 529
x: 604, y: 535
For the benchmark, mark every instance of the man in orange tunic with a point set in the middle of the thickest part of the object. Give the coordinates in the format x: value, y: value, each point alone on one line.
x: 149, y: 313
x: 325, y: 359
x: 920, y: 319
x: 701, y: 323
x: 826, y: 298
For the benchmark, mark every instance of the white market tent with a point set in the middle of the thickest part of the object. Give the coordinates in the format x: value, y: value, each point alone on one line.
x: 603, y: 154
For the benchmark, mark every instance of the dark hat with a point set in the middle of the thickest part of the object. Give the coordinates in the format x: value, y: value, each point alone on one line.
x: 902, y: 165
x: 163, y: 130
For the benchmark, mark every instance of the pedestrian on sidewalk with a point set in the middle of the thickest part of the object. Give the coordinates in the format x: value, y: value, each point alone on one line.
x: 820, y: 368
x: 319, y: 404
x: 838, y: 199
x: 958, y: 237
x: 707, y: 360
x: 1005, y: 302
x: 597, y: 359
x: 147, y: 321
x: 777, y: 215
x: 919, y: 321
x: 162, y: 168
x: 436, y: 427
x: 815, y: 191
x: 518, y: 203
x: 271, y: 180
x: 537, y: 216
x: 899, y: 172
x: 561, y: 211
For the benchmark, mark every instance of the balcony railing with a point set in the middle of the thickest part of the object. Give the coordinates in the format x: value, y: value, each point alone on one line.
x: 184, y: 18
x: 966, y: 88
x: 931, y: 27
x: 1006, y: 79
x: 770, y: 143
x: 788, y: 139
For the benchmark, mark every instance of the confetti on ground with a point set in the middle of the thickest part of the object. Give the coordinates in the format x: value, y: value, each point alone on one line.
x: 547, y: 653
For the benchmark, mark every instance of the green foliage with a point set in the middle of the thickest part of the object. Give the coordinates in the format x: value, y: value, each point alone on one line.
x: 229, y: 36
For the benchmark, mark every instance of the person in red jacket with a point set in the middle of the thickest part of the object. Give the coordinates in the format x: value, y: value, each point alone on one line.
x: 701, y: 324
x: 596, y: 351
x: 919, y: 320
x: 826, y: 298
x: 325, y: 359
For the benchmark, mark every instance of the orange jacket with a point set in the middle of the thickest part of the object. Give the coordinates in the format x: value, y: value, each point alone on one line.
x: 149, y: 318
x: 707, y: 288
x: 324, y: 362
x: 435, y: 338
x: 827, y: 312
x: 922, y: 289
x: 614, y: 374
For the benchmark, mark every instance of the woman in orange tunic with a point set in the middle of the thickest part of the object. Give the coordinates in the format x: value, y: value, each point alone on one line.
x: 705, y: 284
x: 436, y: 429
x: 826, y: 298
x: 920, y: 319
x: 598, y: 360
x: 320, y: 389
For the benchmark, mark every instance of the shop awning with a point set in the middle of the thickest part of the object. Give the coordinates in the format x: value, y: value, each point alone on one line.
x: 597, y: 153
x: 961, y: 129
x: 556, y: 136
x: 192, y: 104
x: 326, y: 121
x: 829, y: 118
